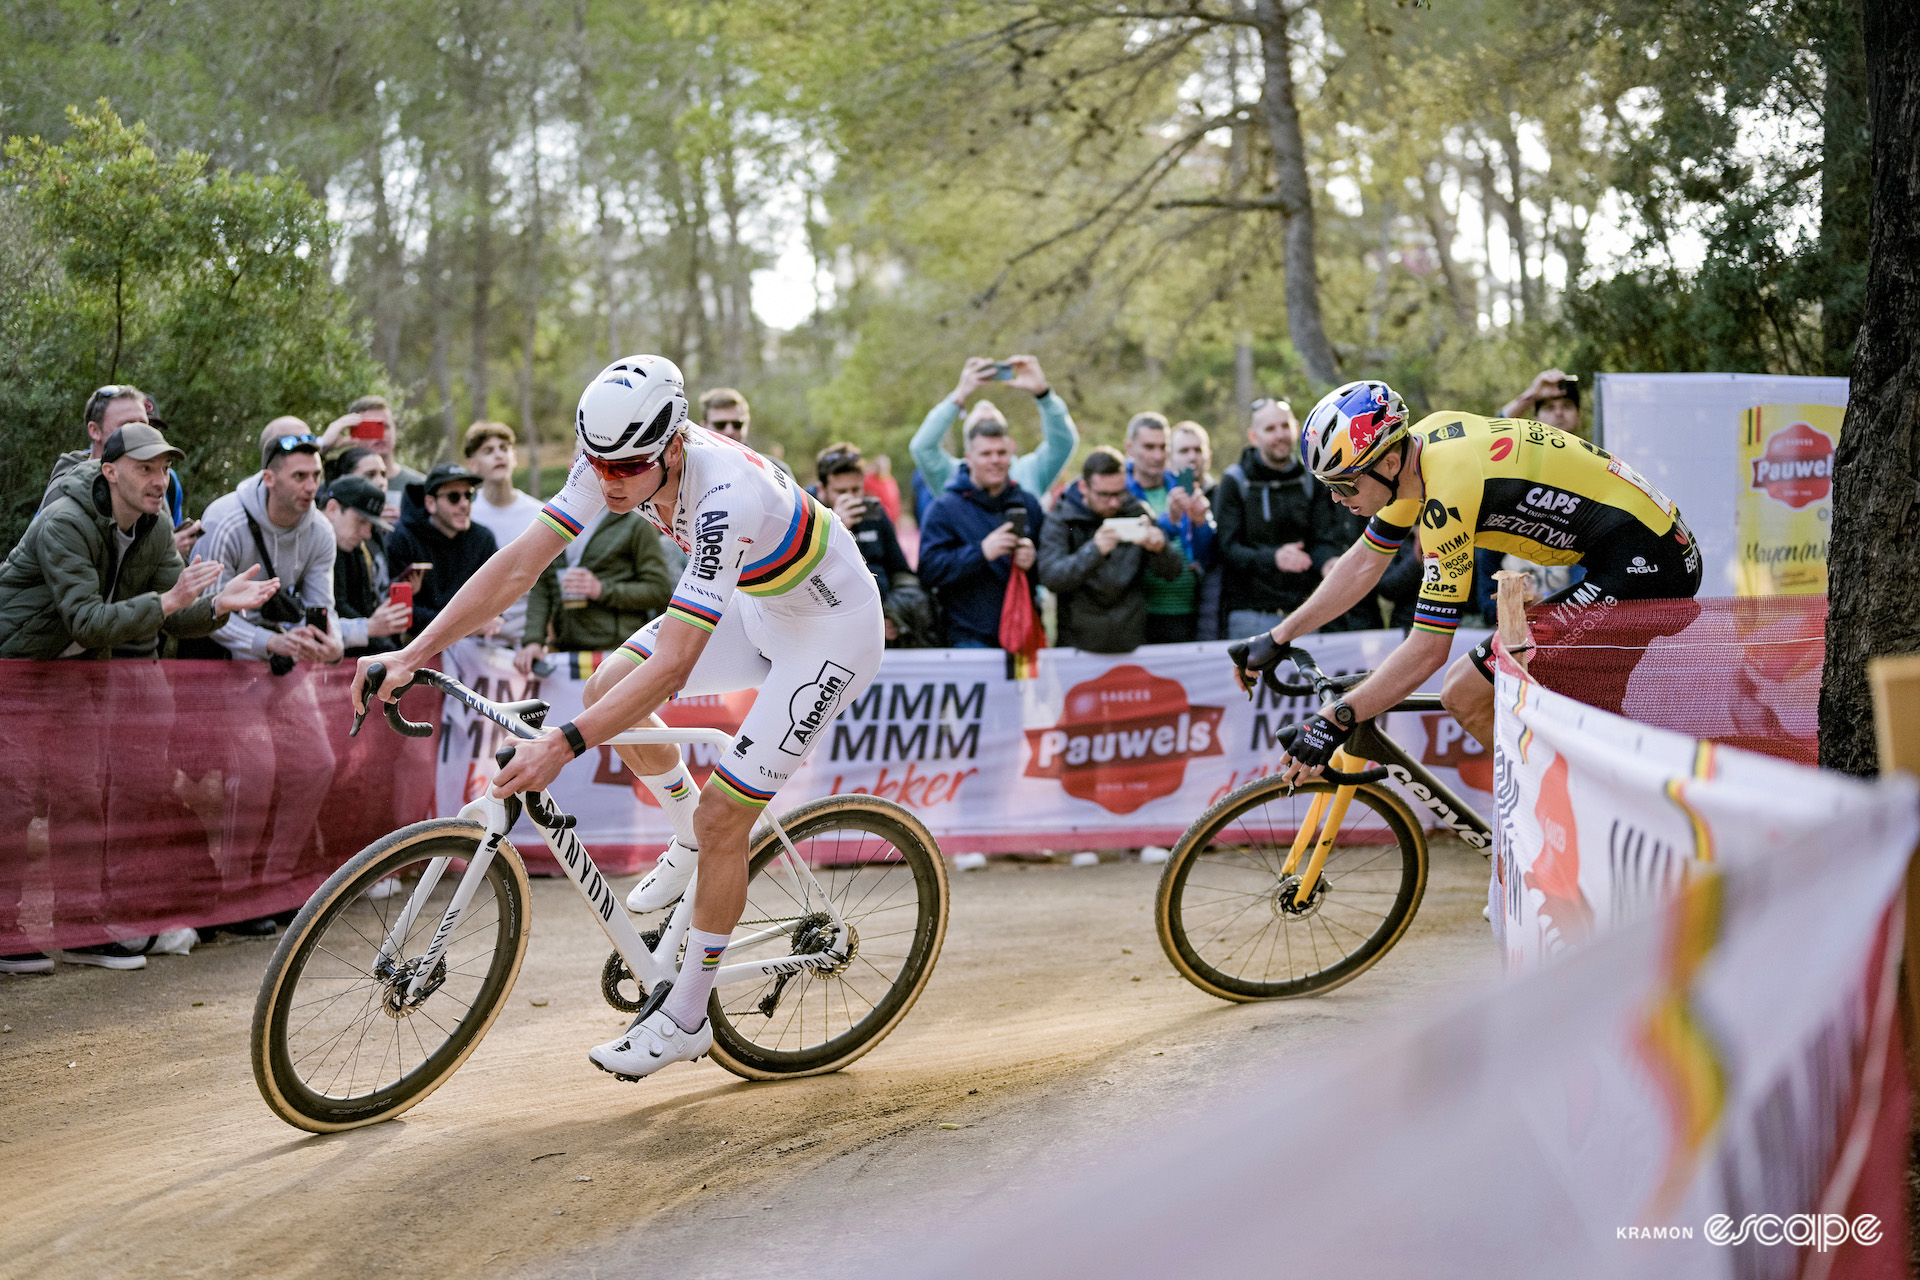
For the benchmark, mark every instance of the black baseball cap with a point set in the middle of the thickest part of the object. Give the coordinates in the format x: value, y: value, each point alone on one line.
x: 444, y: 474
x: 357, y: 493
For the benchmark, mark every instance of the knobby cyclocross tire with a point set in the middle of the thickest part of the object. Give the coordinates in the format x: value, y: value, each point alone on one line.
x: 884, y: 872
x: 332, y: 1038
x: 1230, y: 922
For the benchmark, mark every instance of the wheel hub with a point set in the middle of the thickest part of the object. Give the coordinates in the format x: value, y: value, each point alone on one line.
x: 1284, y: 899
x: 397, y: 978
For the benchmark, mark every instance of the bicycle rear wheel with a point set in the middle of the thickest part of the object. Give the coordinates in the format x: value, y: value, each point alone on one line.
x: 883, y: 872
x: 1229, y: 919
x: 337, y: 1041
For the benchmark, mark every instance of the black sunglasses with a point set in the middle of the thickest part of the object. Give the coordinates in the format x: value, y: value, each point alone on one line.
x: 457, y: 497
x: 1346, y: 487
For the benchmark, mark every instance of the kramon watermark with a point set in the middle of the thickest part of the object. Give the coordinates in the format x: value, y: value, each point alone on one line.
x: 1822, y: 1231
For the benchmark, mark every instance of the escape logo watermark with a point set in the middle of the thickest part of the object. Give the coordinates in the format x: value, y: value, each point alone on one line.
x: 1820, y: 1231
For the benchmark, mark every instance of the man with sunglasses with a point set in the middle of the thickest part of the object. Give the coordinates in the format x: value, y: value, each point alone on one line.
x: 437, y: 527
x: 775, y: 597
x: 1465, y: 482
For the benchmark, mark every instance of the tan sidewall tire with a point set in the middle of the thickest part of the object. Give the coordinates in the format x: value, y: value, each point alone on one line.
x: 341, y: 884
x: 797, y: 817
x: 1184, y: 850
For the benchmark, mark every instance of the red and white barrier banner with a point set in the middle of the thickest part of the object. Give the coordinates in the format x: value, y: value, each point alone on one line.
x: 137, y: 797
x: 1095, y: 751
x: 1711, y: 1085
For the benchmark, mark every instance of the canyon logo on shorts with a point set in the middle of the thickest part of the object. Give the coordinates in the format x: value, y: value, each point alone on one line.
x: 813, y: 705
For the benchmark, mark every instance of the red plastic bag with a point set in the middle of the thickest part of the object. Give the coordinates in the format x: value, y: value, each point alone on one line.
x: 1020, y: 630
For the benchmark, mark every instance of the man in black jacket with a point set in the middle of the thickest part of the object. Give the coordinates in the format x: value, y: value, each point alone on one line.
x: 369, y: 622
x: 1277, y: 531
x: 907, y: 607
x: 1097, y: 568
x: 436, y: 527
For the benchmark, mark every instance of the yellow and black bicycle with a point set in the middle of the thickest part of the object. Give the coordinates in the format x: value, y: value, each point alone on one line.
x: 1280, y: 891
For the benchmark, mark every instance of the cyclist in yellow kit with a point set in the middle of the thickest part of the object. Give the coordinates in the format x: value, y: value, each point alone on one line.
x: 1458, y: 481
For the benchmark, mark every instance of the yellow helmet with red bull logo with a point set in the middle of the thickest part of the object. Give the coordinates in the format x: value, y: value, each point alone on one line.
x: 1352, y: 428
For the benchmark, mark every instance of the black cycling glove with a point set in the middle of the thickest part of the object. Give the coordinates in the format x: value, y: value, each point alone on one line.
x: 1256, y: 653
x: 1316, y: 741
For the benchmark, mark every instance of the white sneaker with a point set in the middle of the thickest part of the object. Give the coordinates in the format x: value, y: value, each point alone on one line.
x: 667, y: 881
x: 27, y: 962
x: 654, y: 1041
x: 108, y: 955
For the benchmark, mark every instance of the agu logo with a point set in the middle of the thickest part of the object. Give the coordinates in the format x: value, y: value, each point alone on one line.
x: 1797, y: 467
x: 1124, y: 738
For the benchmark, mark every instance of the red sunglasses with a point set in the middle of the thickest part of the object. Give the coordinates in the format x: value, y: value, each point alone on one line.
x: 622, y: 470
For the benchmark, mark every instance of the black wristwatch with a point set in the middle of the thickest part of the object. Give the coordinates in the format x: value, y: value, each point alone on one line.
x: 1341, y: 714
x: 574, y: 740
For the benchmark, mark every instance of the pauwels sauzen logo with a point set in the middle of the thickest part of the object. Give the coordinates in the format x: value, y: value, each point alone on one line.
x: 1123, y: 739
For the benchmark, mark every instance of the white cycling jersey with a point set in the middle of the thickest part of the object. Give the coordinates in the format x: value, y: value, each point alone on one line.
x: 745, y: 526
x: 780, y: 586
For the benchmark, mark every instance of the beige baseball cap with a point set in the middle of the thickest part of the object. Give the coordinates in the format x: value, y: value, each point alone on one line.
x: 139, y: 441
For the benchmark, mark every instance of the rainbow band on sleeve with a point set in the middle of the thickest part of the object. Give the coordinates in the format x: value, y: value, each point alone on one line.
x: 752, y: 797
x: 693, y: 613
x: 634, y: 652
x: 1442, y: 620
x: 560, y: 522
x: 798, y: 552
x: 1379, y: 543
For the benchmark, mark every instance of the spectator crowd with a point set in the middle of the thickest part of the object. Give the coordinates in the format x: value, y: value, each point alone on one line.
x: 333, y: 549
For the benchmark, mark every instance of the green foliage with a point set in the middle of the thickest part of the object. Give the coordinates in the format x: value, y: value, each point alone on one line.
x: 208, y: 290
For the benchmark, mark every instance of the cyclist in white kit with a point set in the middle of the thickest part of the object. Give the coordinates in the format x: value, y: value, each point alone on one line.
x: 775, y: 597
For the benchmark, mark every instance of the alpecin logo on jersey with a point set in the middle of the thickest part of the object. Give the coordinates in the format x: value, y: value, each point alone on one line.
x: 706, y: 550
x: 812, y: 705
x: 1124, y: 739
x: 1797, y: 467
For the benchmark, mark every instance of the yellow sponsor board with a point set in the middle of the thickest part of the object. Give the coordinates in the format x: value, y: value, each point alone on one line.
x: 1784, y: 508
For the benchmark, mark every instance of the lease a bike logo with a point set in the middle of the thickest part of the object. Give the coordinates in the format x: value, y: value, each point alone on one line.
x: 707, y: 543
x: 1797, y: 467
x: 1436, y: 514
x: 1123, y: 739
x: 812, y: 705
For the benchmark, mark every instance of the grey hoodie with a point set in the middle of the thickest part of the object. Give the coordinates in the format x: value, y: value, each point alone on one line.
x: 302, y: 558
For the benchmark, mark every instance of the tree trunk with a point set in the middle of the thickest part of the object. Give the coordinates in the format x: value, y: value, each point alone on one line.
x: 388, y: 275
x: 1440, y: 224
x: 1874, y: 559
x: 1845, y: 180
x: 439, y: 370
x: 536, y: 232
x: 1295, y: 195
x: 483, y: 267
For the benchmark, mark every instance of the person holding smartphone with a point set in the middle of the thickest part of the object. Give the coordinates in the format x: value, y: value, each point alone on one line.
x: 372, y: 616
x: 934, y: 467
x: 1185, y: 514
x: 842, y: 488
x: 368, y: 423
x: 975, y: 533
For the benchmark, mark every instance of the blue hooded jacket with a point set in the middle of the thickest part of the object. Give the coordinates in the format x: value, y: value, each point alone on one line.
x: 969, y: 588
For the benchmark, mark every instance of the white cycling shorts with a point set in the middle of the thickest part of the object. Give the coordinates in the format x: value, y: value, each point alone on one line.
x: 806, y: 667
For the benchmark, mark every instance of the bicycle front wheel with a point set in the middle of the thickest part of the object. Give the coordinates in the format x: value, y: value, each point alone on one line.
x: 1228, y: 914
x: 883, y: 874
x: 340, y: 1036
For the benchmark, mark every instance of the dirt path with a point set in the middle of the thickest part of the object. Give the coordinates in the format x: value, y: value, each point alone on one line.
x: 135, y: 1143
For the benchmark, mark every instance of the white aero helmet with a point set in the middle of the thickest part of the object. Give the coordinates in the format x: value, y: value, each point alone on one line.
x: 632, y: 409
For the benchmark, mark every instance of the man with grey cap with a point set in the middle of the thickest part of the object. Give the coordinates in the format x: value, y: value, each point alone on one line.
x: 96, y: 573
x: 369, y: 622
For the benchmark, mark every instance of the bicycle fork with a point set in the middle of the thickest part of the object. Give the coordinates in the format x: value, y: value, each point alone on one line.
x: 1332, y: 806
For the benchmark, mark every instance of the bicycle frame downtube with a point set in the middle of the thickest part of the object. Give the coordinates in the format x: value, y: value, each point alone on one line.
x: 1455, y: 814
x: 601, y: 900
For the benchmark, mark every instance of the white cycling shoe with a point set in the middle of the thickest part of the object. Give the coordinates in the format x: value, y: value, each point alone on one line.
x: 654, y: 1041
x: 664, y: 885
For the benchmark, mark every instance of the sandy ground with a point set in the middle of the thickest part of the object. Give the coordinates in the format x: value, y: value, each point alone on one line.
x: 133, y: 1141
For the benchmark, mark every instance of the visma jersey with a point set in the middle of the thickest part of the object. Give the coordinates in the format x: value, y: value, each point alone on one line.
x: 745, y: 525
x: 1510, y: 485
